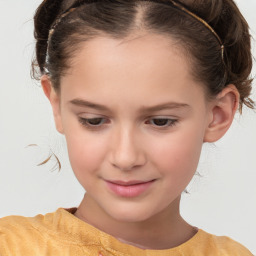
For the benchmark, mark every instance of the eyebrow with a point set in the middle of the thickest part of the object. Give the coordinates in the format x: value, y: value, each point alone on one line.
x: 168, y: 105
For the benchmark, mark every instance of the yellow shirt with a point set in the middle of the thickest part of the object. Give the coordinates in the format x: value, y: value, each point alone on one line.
x: 62, y: 234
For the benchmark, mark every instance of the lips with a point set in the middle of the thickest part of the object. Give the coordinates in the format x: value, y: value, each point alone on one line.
x: 128, y: 183
x: 132, y: 188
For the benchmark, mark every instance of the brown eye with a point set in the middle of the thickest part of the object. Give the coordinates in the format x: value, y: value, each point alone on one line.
x: 162, y: 122
x: 95, y: 121
x: 92, y: 121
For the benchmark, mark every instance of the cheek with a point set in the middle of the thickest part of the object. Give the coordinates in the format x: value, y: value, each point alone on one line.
x: 86, y: 153
x: 177, y: 155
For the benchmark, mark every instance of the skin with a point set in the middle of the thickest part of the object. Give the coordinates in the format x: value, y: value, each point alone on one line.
x: 126, y: 77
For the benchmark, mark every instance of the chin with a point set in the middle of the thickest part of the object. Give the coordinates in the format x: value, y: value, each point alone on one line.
x: 131, y: 214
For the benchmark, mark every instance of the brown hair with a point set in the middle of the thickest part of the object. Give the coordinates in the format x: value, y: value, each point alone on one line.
x: 120, y: 18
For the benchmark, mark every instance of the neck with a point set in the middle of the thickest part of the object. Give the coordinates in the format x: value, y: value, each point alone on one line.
x: 165, y: 230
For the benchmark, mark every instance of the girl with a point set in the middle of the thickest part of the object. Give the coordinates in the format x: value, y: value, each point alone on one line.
x: 136, y: 87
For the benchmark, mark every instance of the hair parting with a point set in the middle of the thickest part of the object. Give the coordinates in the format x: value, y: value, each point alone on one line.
x: 174, y: 3
x: 61, y: 26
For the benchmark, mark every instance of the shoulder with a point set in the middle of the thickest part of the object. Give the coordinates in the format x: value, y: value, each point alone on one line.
x: 223, y: 245
x: 14, y: 232
x: 13, y: 225
x: 16, y: 225
x: 58, y: 233
x: 18, y: 234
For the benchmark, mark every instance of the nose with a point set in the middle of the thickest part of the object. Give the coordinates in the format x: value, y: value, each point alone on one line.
x: 127, y: 151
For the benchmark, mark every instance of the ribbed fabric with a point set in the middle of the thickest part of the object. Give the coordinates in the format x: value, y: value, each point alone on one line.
x: 62, y: 234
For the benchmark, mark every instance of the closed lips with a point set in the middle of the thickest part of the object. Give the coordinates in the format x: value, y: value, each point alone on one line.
x: 129, y: 188
x: 129, y: 183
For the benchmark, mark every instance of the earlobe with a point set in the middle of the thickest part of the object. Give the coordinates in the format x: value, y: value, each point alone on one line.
x: 54, y: 99
x: 222, y: 113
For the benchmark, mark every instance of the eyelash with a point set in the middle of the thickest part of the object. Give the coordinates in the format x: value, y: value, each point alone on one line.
x: 170, y: 122
x: 85, y: 123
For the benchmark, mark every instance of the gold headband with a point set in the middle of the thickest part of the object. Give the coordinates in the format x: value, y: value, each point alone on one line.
x: 177, y: 5
x: 58, y: 21
x: 181, y: 7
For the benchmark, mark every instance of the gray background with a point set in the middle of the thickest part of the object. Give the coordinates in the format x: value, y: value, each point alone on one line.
x: 222, y: 202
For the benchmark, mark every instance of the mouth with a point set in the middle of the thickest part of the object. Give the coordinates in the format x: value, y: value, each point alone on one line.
x: 130, y: 189
x: 128, y: 183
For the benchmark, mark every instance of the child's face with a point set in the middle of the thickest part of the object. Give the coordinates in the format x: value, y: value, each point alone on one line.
x: 160, y: 147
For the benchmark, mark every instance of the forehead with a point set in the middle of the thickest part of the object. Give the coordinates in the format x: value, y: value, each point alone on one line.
x: 146, y: 64
x: 143, y: 50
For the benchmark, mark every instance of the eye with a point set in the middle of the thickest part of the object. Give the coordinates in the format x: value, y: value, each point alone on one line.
x: 162, y: 122
x: 92, y: 122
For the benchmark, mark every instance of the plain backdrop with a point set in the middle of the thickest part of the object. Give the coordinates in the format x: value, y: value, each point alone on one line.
x: 222, y: 201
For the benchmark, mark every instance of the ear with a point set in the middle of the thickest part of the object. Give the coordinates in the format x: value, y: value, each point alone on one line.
x: 54, y: 99
x: 222, y: 113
